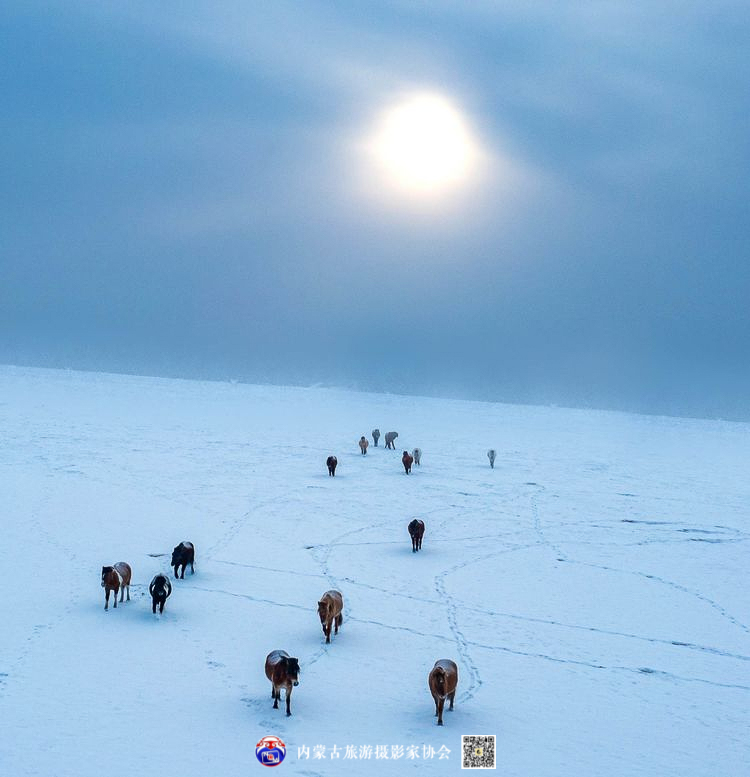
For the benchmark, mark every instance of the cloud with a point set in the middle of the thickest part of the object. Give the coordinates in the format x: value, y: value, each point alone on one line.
x: 185, y: 181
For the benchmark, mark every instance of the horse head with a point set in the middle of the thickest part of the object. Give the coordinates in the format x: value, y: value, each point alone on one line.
x: 106, y: 571
x: 292, y: 670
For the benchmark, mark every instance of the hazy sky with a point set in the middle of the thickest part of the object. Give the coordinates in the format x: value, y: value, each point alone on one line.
x: 187, y: 189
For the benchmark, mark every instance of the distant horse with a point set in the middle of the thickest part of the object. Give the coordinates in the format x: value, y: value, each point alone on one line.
x: 283, y: 672
x: 183, y: 555
x: 417, y: 454
x: 363, y: 445
x: 330, y: 609
x: 416, y: 532
x: 443, y: 680
x: 116, y: 578
x: 160, y: 590
x: 389, y: 438
x: 331, y: 463
x: 375, y: 436
x: 491, y: 456
x: 407, y: 460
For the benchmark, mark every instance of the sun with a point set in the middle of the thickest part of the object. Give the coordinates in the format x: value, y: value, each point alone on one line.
x: 422, y: 144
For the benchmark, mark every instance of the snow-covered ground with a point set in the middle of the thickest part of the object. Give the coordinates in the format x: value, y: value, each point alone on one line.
x: 592, y: 588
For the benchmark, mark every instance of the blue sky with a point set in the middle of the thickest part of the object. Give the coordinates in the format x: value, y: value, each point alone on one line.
x: 183, y: 195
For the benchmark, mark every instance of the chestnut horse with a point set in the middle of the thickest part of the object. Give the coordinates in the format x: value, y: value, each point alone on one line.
x: 332, y: 463
x: 407, y: 460
x: 363, y: 445
x: 443, y: 680
x: 416, y: 532
x: 283, y: 672
x: 330, y: 609
x: 116, y: 578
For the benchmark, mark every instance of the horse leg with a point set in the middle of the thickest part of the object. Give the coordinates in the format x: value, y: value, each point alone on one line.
x: 276, y: 697
x: 128, y: 591
x: 161, y: 606
x: 182, y: 576
x: 441, y: 703
x: 288, y: 700
x: 115, y: 597
x: 327, y: 630
x: 192, y: 568
x: 106, y: 598
x: 451, y: 697
x: 339, y: 621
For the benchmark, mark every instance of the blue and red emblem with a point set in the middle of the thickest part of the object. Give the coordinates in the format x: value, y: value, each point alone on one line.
x: 270, y: 751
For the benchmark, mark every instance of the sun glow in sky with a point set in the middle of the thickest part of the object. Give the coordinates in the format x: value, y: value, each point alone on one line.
x: 423, y: 145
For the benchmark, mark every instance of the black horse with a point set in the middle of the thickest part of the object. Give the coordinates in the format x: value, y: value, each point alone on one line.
x: 160, y: 590
x: 183, y: 555
x: 416, y: 531
x: 332, y: 463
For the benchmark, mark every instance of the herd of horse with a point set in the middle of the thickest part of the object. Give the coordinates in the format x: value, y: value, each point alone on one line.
x: 407, y: 459
x: 116, y: 578
x: 282, y: 669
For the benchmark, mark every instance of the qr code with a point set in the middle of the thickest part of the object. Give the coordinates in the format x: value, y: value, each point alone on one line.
x: 478, y: 752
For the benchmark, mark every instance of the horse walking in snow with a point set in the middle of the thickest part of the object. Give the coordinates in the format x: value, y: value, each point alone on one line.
x: 417, y: 455
x: 183, y: 555
x: 389, y: 438
x: 116, y: 578
x: 160, y: 590
x: 491, y: 457
x: 443, y: 681
x: 283, y: 672
x: 332, y: 463
x: 330, y: 611
x: 407, y: 460
x: 363, y: 445
x: 416, y: 532
x: 375, y: 436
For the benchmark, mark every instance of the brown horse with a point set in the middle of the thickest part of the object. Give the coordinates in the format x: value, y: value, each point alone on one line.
x: 332, y: 463
x: 416, y: 532
x: 363, y: 445
x: 443, y: 680
x: 283, y: 672
x: 116, y: 578
x: 407, y: 460
x: 330, y: 609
